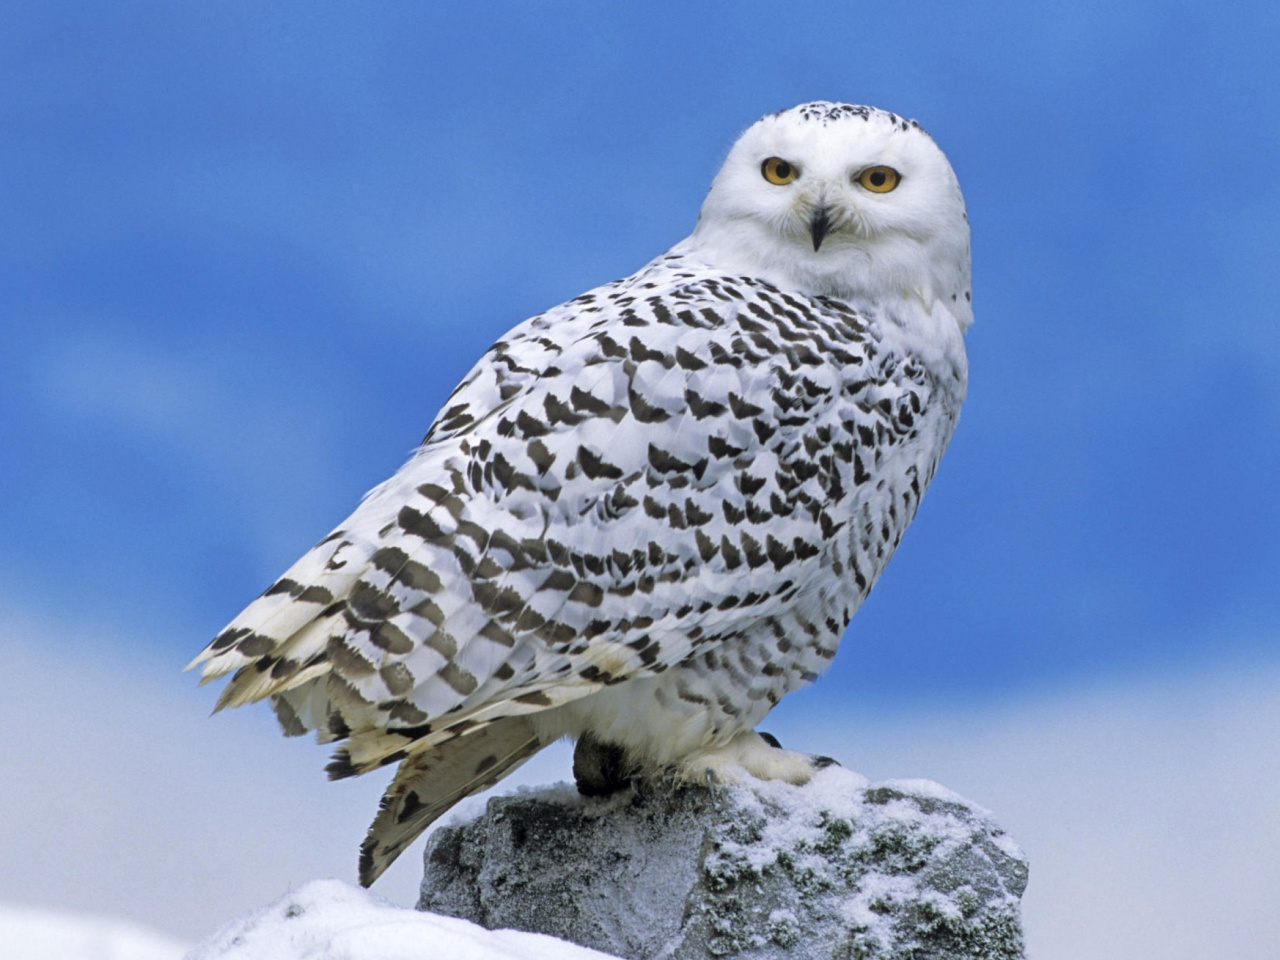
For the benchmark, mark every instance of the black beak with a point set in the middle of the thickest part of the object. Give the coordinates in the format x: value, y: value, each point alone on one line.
x: 818, y: 227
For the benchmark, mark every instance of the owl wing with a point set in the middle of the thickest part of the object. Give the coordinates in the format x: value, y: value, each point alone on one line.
x: 616, y: 484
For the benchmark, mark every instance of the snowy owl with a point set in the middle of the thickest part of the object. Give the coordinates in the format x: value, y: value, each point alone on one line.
x: 648, y: 514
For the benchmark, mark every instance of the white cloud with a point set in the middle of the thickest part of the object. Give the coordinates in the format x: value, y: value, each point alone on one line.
x: 1148, y: 811
x: 123, y: 797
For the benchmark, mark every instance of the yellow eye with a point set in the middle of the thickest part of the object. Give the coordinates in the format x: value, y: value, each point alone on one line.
x: 778, y: 171
x: 879, y: 179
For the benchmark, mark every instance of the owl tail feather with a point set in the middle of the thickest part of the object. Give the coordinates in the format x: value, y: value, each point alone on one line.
x: 428, y: 783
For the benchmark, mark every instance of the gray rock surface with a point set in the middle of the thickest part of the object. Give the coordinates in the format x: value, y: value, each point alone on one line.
x: 836, y: 869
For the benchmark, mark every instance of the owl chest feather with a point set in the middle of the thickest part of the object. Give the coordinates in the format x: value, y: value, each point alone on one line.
x: 742, y: 465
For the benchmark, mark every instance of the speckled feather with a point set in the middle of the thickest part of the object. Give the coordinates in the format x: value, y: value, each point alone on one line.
x: 646, y: 514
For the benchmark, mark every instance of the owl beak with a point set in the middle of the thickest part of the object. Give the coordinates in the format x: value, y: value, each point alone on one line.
x: 819, y: 226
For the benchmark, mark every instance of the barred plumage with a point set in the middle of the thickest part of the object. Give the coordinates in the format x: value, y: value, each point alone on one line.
x: 647, y: 514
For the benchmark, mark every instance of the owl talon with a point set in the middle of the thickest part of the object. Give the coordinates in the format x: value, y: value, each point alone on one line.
x: 600, y: 769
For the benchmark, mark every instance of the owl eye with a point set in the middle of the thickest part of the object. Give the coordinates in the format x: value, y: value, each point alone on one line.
x: 778, y: 171
x: 879, y: 179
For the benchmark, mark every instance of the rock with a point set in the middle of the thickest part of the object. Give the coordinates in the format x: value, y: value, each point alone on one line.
x: 837, y: 868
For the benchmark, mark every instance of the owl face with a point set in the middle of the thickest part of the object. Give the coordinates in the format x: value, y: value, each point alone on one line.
x: 840, y: 200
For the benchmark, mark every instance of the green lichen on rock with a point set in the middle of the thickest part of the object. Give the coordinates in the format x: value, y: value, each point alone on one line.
x: 898, y: 871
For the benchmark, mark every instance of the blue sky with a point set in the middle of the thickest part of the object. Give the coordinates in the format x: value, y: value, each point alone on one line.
x: 247, y: 249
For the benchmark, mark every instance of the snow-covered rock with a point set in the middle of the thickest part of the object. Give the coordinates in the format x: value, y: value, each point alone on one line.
x: 838, y: 868
x: 331, y: 920
x: 36, y: 933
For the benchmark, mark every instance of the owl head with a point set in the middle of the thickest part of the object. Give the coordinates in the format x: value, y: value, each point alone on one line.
x: 840, y: 200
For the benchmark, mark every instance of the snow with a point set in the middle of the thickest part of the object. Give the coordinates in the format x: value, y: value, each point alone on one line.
x: 331, y: 920
x: 770, y: 868
x: 34, y: 933
x: 798, y: 818
x: 322, y: 920
x: 925, y: 820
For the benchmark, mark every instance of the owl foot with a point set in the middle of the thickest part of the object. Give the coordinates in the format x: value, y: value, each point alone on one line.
x: 600, y: 769
x: 751, y: 754
x: 819, y: 763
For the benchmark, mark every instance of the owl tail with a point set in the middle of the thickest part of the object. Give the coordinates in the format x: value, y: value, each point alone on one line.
x: 428, y: 783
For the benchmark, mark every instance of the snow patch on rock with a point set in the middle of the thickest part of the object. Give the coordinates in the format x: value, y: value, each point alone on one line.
x: 838, y: 867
